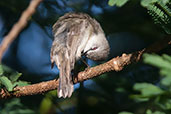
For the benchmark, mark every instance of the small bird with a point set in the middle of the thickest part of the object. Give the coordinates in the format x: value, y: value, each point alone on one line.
x: 75, y: 35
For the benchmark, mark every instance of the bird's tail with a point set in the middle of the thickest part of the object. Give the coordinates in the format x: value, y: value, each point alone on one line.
x: 63, y: 62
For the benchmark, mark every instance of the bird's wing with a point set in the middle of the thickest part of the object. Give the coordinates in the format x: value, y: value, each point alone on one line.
x: 71, y: 34
x: 61, y: 56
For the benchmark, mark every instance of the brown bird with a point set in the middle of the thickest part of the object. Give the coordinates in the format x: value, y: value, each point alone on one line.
x: 75, y: 34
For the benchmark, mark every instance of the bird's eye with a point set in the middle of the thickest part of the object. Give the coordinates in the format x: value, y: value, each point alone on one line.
x: 84, y: 53
x: 94, y: 48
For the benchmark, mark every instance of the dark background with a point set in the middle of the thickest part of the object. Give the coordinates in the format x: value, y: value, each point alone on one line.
x: 128, y: 29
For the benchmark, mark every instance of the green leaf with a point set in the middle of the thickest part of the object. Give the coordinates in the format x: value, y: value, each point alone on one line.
x: 111, y: 2
x: 7, y: 83
x: 156, y: 112
x: 166, y: 81
x: 7, y: 69
x: 14, y: 76
x: 118, y: 3
x: 148, y: 111
x: 45, y: 105
x: 160, y: 12
x: 163, y: 62
x: 157, y: 61
x: 167, y: 57
x: 146, y: 3
x: 124, y: 112
x: 21, y: 83
x: 168, y: 104
x: 139, y: 98
x: 165, y: 72
x: 14, y: 106
x: 1, y: 70
x: 147, y: 89
x: 165, y: 105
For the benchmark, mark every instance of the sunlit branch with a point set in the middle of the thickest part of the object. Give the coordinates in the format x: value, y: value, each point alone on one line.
x: 115, y: 64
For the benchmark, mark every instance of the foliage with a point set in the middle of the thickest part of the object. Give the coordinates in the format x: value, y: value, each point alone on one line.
x: 158, y: 94
x: 9, y: 78
x: 156, y: 112
x: 118, y: 3
x: 160, y: 10
x: 125, y: 112
x: 161, y: 14
x: 47, y: 102
x: 14, y: 106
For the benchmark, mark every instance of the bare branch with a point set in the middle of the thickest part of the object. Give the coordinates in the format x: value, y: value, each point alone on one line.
x: 115, y: 64
x: 17, y: 28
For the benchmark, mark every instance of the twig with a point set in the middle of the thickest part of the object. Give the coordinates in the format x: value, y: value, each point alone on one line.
x: 115, y: 64
x: 17, y: 28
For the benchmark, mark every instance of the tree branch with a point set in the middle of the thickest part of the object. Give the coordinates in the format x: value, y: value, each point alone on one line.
x: 115, y: 64
x: 17, y: 28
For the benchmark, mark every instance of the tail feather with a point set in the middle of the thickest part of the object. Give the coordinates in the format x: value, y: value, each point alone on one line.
x: 65, y: 80
x: 63, y: 62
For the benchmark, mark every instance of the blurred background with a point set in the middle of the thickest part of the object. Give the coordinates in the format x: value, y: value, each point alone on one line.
x: 129, y: 25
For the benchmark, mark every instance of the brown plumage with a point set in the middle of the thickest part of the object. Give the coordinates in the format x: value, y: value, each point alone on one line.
x: 74, y: 34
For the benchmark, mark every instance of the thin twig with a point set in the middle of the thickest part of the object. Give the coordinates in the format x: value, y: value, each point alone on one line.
x: 115, y: 64
x: 18, y: 27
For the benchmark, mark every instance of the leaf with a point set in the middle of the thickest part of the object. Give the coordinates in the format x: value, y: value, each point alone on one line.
x: 147, y: 89
x: 146, y: 3
x: 168, y: 104
x: 160, y: 12
x: 21, y: 83
x: 156, y: 112
x: 125, y: 112
x: 118, y: 3
x: 1, y: 70
x: 157, y: 61
x: 163, y: 62
x: 139, y: 98
x: 45, y: 105
x: 111, y: 2
x: 14, y: 76
x: 165, y: 72
x: 14, y: 106
x: 148, y: 111
x: 7, y: 69
x: 167, y: 57
x: 165, y: 104
x: 7, y: 83
x: 166, y: 81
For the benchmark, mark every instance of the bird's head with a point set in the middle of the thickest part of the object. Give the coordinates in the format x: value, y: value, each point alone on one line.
x: 97, y: 47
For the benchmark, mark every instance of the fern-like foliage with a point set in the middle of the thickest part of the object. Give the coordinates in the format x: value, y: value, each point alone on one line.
x: 161, y: 14
x: 118, y: 3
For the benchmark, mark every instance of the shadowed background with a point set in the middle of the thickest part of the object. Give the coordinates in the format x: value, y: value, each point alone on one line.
x: 127, y: 29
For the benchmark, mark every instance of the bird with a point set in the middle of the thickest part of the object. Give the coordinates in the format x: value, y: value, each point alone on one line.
x: 75, y: 34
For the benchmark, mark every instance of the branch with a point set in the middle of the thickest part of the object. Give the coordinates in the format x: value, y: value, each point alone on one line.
x: 115, y: 64
x: 17, y: 28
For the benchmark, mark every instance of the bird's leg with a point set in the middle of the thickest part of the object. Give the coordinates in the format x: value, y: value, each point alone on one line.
x: 85, y: 62
x: 52, y: 65
x: 83, y: 59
